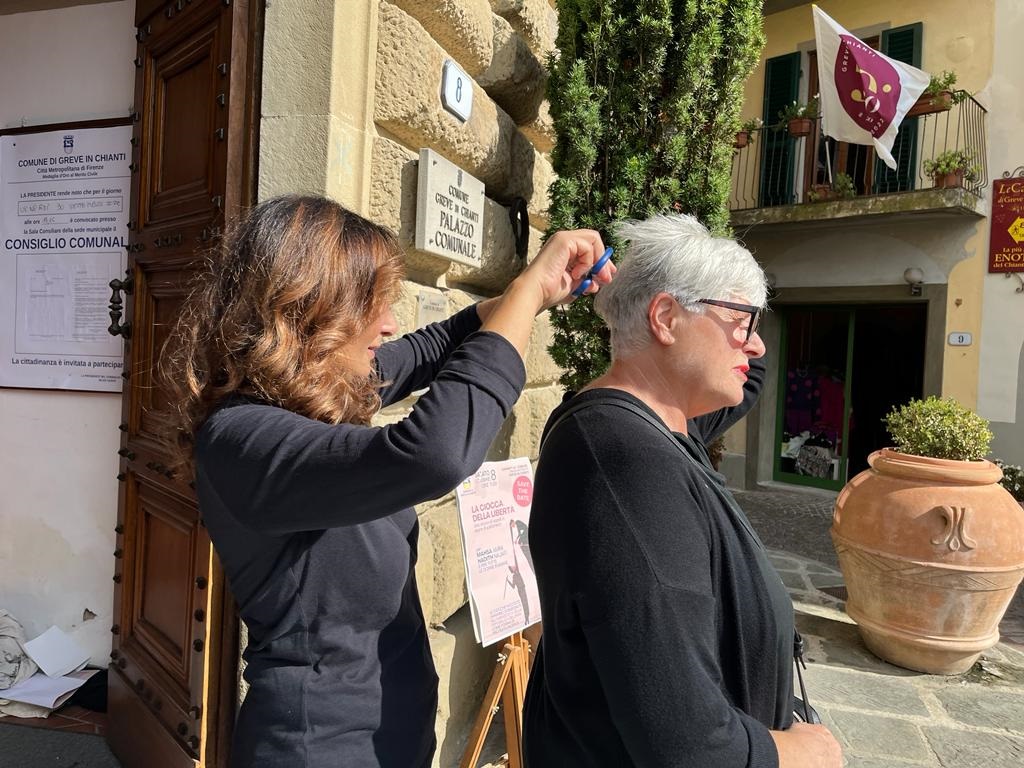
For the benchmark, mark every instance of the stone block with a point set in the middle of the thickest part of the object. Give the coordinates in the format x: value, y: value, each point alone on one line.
x: 293, y: 155
x: 984, y: 706
x: 531, y: 178
x: 540, y: 368
x: 408, y: 81
x: 464, y: 670
x: 530, y: 414
x: 541, y: 130
x: 516, y: 79
x: 460, y: 299
x: 462, y: 27
x: 297, y: 34
x: 440, y: 523
x: 847, y: 688
x: 882, y: 737
x: 535, y: 20
x: 975, y: 749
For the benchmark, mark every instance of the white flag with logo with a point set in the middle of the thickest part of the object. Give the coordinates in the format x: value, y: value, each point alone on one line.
x: 864, y: 94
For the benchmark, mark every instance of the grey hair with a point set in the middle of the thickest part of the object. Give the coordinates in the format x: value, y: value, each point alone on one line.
x: 673, y: 253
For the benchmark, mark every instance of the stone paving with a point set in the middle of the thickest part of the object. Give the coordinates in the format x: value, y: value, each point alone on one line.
x: 885, y: 716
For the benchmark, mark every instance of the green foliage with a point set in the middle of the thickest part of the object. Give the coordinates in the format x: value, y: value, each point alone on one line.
x: 1013, y: 479
x: 944, y: 81
x: 940, y: 428
x: 645, y: 98
x: 754, y: 124
x: 795, y: 111
x: 950, y: 161
x: 842, y: 188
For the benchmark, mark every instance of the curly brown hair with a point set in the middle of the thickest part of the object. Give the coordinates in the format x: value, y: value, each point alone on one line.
x: 291, y: 284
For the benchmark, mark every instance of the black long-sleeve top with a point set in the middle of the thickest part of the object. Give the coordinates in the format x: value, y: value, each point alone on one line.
x: 668, y: 636
x: 314, y: 525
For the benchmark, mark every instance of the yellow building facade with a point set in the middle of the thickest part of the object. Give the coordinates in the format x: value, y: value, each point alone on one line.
x: 887, y: 294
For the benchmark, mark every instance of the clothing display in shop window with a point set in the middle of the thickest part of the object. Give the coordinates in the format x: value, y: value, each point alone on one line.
x: 802, y: 398
x: 831, y: 402
x: 814, y: 461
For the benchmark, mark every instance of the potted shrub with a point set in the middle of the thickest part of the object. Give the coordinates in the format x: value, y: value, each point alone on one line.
x: 930, y: 544
x: 745, y: 135
x: 939, y: 96
x: 949, y: 169
x: 841, y: 188
x: 799, y: 118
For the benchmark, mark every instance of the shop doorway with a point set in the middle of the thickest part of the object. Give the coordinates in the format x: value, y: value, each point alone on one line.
x: 842, y: 369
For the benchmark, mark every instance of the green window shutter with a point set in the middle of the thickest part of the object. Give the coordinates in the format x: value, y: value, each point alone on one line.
x: 781, y: 82
x: 902, y: 44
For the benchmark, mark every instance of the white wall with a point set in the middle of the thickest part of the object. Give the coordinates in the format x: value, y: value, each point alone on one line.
x: 58, y: 494
x: 1002, y: 339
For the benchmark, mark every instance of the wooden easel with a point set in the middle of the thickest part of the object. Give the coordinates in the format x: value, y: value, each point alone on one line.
x: 508, y: 685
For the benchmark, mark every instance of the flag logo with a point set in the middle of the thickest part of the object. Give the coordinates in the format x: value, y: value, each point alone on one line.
x: 868, y: 85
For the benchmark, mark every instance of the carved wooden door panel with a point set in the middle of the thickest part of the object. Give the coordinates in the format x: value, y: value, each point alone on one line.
x: 171, y: 689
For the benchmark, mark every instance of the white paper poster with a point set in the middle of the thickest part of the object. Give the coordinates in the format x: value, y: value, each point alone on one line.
x: 494, y: 516
x: 64, y: 203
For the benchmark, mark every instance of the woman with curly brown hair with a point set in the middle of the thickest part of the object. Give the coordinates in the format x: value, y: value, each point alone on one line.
x: 278, y: 364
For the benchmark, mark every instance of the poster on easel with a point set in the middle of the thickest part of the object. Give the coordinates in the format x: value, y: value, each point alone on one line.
x: 64, y: 204
x: 494, y: 518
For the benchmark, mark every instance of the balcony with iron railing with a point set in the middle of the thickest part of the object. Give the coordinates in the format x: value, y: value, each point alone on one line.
x: 778, y: 178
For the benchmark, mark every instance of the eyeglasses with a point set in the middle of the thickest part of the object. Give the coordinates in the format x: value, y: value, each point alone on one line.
x: 754, y: 312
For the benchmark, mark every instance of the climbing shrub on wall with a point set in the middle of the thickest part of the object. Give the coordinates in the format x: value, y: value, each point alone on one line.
x: 645, y: 97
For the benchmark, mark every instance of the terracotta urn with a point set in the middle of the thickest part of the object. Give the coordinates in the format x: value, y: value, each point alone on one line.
x: 932, y: 551
x: 742, y: 139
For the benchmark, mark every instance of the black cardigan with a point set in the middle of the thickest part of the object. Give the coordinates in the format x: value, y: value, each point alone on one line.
x: 314, y: 525
x: 668, y: 636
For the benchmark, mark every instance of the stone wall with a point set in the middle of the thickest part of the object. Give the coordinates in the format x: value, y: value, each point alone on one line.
x: 501, y: 44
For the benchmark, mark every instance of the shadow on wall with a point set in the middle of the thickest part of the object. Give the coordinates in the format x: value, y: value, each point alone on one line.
x: 1008, y: 443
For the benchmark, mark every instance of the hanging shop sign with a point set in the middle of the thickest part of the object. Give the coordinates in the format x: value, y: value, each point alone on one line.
x: 1006, y: 243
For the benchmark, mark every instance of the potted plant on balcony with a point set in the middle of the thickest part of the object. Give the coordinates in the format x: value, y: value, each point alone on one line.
x: 931, y: 546
x: 799, y: 118
x: 841, y: 188
x: 938, y: 96
x: 950, y: 168
x: 745, y: 135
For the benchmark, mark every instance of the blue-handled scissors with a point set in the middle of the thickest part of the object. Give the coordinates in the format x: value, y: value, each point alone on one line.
x: 589, y: 277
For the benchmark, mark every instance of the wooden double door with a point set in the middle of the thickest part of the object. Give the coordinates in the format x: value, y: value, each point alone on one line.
x: 172, y: 684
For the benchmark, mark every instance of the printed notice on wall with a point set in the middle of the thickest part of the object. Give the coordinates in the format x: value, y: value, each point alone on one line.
x: 494, y: 516
x: 64, y: 201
